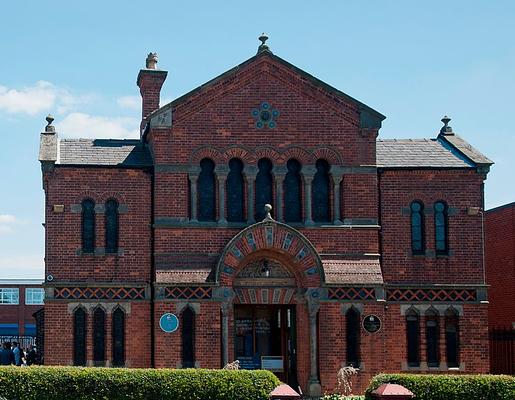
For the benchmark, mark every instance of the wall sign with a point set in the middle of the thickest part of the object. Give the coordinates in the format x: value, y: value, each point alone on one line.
x: 371, y: 323
x: 169, y: 323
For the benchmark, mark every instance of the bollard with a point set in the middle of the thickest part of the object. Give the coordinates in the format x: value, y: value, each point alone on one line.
x: 392, y: 391
x: 284, y: 392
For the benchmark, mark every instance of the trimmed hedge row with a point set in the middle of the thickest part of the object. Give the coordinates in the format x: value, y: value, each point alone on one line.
x: 73, y: 383
x: 450, y: 387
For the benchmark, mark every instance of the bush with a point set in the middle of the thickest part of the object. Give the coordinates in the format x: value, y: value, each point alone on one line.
x: 73, y: 383
x: 450, y: 387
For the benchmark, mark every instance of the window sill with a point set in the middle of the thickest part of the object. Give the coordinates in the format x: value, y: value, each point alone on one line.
x: 99, y: 252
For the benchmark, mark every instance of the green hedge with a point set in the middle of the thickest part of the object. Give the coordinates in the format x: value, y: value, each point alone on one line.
x: 451, y: 387
x: 72, y: 383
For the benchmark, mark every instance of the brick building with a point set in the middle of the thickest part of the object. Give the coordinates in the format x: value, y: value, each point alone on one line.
x: 500, y: 265
x: 161, y: 251
x: 19, y: 300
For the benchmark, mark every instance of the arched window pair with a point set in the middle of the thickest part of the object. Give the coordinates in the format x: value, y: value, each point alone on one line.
x: 99, y: 337
x: 111, y: 226
x: 264, y: 191
x: 432, y: 335
x: 418, y: 245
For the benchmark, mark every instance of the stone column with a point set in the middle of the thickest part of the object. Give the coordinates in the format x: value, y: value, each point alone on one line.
x: 308, y: 174
x: 226, y: 307
x: 279, y: 175
x: 337, y: 180
x: 250, y: 172
x: 314, y: 387
x: 193, y: 177
x: 221, y: 177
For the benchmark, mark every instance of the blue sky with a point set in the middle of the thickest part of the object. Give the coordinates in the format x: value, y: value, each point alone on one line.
x: 412, y: 61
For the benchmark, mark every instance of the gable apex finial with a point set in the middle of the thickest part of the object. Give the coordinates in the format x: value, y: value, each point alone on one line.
x: 263, y: 47
x: 446, y: 129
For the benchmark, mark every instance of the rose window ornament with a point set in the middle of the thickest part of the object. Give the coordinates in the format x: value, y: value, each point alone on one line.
x: 265, y: 116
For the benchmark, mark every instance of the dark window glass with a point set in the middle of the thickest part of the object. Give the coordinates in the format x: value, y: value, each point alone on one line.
x: 207, y: 191
x: 441, y: 227
x: 99, y: 333
x: 293, y: 192
x: 353, y: 336
x: 79, y: 337
x: 188, y: 338
x: 235, y: 191
x: 118, y: 338
x: 111, y: 223
x: 264, y: 187
x: 452, y: 339
x: 417, y: 228
x: 88, y: 226
x: 413, y: 338
x: 432, y: 339
x: 320, y: 192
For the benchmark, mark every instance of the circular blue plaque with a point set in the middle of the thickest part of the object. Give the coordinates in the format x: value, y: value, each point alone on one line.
x: 169, y: 322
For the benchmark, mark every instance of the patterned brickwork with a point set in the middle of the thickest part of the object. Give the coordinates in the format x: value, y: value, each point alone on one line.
x: 344, y: 293
x: 99, y: 293
x: 188, y: 293
x: 448, y: 295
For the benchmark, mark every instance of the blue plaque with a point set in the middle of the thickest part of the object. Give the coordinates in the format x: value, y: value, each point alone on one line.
x: 169, y: 322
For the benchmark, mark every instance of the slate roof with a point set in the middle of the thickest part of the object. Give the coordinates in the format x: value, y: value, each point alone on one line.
x: 428, y: 153
x: 105, y: 152
x: 342, y: 271
x: 185, y: 268
x: 464, y: 147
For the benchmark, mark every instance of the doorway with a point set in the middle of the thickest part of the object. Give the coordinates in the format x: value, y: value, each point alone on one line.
x: 264, y: 338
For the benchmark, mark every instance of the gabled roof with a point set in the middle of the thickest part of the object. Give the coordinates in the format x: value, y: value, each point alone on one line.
x: 371, y: 113
x: 419, y: 153
x: 104, y: 152
x: 465, y: 148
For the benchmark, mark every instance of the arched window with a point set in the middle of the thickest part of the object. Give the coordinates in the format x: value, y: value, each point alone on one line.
x: 111, y: 226
x: 417, y: 228
x: 452, y: 338
x: 235, y: 191
x: 320, y: 192
x: 264, y: 187
x: 353, y: 336
x: 79, y: 337
x: 207, y: 191
x: 432, y: 338
x: 441, y: 226
x: 413, y: 338
x: 188, y: 338
x: 118, y: 338
x: 99, y: 333
x: 293, y: 192
x: 88, y: 226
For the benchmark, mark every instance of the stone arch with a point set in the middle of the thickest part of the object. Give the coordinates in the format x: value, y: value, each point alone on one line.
x: 275, y: 240
x: 206, y: 152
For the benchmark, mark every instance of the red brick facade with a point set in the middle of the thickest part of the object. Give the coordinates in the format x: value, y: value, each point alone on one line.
x: 361, y: 257
x: 500, y: 263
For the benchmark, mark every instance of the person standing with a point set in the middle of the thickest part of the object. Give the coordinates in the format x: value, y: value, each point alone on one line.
x: 17, y: 354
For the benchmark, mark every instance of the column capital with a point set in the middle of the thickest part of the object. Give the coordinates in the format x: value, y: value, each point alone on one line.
x: 308, y: 171
x: 250, y: 170
x: 221, y: 171
x: 279, y: 171
x: 194, y: 170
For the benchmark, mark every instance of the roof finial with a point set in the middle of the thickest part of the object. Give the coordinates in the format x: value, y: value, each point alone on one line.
x: 49, y: 127
x: 446, y: 129
x: 151, y: 61
x: 268, y: 216
x: 263, y: 47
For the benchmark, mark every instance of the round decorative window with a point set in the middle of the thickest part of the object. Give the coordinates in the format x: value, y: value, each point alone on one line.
x: 265, y: 116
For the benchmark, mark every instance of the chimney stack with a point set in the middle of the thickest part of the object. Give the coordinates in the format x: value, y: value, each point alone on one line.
x: 150, y: 81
